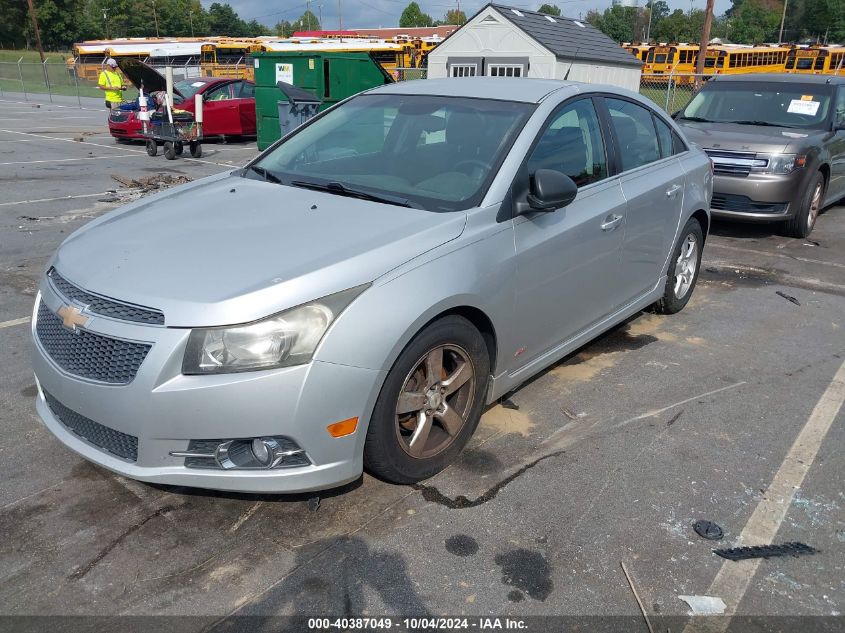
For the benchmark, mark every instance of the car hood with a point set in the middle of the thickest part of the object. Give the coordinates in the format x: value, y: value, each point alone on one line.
x: 743, y: 138
x: 229, y: 250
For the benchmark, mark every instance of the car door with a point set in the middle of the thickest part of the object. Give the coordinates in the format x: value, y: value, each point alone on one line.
x: 567, y: 261
x: 221, y: 115
x: 836, y: 147
x: 652, y: 182
x: 246, y: 107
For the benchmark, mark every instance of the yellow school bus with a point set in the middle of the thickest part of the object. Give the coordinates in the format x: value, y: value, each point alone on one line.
x: 230, y: 57
x: 817, y: 60
x: 732, y: 60
x: 640, y: 51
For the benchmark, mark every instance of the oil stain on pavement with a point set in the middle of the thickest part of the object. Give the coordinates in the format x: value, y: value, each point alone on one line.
x: 528, y: 572
x: 461, y: 545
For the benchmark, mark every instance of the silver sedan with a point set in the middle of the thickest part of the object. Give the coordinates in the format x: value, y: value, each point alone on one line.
x: 358, y: 294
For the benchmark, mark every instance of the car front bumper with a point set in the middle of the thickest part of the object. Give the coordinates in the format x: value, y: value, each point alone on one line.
x: 165, y: 410
x: 758, y: 197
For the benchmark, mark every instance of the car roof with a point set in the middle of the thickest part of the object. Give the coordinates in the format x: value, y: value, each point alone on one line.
x: 794, y: 78
x: 504, y: 88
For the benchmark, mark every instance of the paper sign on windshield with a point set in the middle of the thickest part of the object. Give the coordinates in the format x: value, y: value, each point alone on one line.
x: 197, y: 84
x: 797, y: 106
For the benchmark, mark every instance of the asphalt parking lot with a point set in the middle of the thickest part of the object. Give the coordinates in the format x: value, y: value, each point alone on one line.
x: 720, y: 412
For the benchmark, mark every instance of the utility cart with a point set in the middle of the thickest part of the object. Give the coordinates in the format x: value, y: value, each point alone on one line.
x: 184, y: 130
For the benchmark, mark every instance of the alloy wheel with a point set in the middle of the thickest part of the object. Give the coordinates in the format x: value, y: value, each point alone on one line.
x: 815, y: 205
x: 686, y: 265
x: 435, y: 400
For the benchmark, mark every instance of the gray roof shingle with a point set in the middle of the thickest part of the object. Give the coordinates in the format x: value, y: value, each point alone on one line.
x: 566, y: 39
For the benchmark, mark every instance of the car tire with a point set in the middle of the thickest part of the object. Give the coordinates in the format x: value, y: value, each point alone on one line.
x: 152, y: 148
x: 801, y: 225
x: 169, y: 151
x: 683, y: 269
x: 414, y: 436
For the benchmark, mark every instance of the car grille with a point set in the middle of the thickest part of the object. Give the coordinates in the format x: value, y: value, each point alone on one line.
x: 744, y: 204
x: 86, y: 354
x: 114, y: 442
x: 104, y: 306
x: 734, y: 163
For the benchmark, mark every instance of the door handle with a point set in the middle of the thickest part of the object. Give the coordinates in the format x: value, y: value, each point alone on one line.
x: 671, y: 191
x: 611, y: 222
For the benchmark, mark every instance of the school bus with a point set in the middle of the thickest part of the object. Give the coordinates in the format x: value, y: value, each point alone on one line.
x: 733, y: 60
x: 230, y: 57
x: 817, y: 60
x: 90, y: 56
x: 640, y: 51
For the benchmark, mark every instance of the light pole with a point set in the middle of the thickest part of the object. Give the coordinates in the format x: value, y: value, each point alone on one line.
x: 155, y: 16
x: 650, y: 6
x: 191, y: 20
x: 782, y: 20
x: 106, y: 22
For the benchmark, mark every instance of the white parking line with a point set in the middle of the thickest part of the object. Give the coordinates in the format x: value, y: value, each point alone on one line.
x: 50, y: 105
x: 137, y: 151
x: 733, y: 579
x: 84, y: 195
x: 69, y: 160
x: 13, y: 322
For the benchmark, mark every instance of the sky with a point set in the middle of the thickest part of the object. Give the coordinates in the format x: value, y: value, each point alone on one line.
x: 385, y: 13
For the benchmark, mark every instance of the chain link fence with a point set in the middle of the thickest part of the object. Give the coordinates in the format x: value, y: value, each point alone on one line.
x: 671, y: 92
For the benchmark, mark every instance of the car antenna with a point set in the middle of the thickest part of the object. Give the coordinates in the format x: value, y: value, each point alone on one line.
x: 574, y: 57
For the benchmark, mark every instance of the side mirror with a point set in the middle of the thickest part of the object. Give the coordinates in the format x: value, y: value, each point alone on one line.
x: 549, y: 190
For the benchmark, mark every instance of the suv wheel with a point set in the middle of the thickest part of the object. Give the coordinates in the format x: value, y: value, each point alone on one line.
x: 802, y: 223
x: 430, y: 403
x: 683, y: 269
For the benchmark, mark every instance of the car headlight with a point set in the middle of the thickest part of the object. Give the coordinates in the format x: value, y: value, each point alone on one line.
x: 284, y: 339
x: 784, y: 163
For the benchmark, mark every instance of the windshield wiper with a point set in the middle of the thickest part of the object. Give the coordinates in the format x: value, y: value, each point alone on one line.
x: 342, y: 190
x: 266, y: 174
x: 697, y: 119
x: 755, y: 122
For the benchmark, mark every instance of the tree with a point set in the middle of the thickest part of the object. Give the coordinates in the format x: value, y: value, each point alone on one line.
x: 413, y: 16
x: 223, y: 20
x: 283, y: 29
x: 306, y: 22
x: 549, y: 9
x: 13, y: 24
x: 617, y: 22
x: 454, y: 16
x: 61, y: 22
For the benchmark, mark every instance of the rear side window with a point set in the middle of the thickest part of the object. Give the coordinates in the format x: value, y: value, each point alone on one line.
x: 664, y: 136
x: 247, y: 90
x: 678, y: 144
x: 635, y: 133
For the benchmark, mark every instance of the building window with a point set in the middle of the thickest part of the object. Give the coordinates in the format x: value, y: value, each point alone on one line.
x: 504, y: 70
x: 463, y: 70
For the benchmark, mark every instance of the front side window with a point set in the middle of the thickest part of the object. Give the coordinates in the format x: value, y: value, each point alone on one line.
x: 220, y: 93
x: 437, y: 153
x: 635, y: 133
x: 572, y: 144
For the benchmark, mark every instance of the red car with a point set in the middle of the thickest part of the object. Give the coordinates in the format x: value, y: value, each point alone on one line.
x: 228, y: 104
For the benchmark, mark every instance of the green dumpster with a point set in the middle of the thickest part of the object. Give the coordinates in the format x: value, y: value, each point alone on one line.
x: 331, y: 77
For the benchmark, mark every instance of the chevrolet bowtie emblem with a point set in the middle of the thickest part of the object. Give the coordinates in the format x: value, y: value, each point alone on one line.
x: 72, y: 317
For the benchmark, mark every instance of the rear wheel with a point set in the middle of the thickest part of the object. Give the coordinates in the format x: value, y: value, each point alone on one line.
x: 152, y: 148
x: 179, y: 147
x: 683, y: 269
x: 803, y: 222
x: 169, y: 151
x: 430, y: 403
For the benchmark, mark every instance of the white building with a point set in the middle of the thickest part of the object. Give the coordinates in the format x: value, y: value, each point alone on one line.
x: 501, y: 41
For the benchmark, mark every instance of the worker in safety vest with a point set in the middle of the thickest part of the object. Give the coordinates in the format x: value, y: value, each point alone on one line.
x: 111, y: 82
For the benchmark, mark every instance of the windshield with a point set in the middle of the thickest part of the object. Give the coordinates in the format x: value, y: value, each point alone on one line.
x: 438, y: 153
x: 777, y: 104
x: 189, y: 87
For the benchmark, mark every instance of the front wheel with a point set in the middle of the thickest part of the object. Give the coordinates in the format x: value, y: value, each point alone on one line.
x: 805, y: 219
x: 683, y: 269
x: 152, y: 148
x: 169, y: 150
x: 430, y: 403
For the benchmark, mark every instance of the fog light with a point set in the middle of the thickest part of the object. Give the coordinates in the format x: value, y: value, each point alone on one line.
x: 262, y: 451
